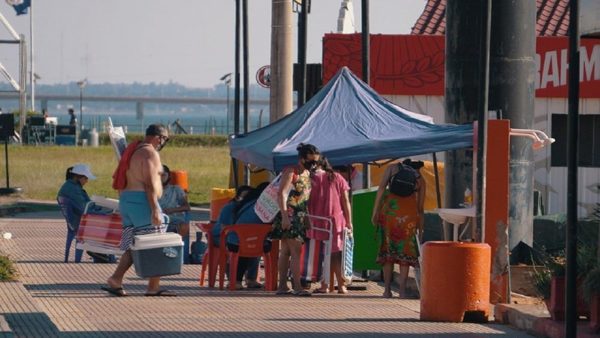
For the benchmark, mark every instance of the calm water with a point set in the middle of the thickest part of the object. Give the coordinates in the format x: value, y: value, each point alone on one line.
x: 195, y: 119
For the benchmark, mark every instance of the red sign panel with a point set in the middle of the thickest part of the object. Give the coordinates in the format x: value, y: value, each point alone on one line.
x: 263, y: 76
x: 414, y: 64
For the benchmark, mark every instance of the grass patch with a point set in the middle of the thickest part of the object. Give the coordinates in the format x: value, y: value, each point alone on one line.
x: 7, y: 269
x: 40, y: 170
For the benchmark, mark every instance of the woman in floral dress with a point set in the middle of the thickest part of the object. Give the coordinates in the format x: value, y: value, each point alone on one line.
x: 397, y: 219
x: 291, y: 223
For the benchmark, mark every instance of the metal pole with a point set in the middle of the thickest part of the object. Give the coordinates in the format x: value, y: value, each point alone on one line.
x: 302, y: 32
x: 6, y: 161
x: 482, y: 107
x: 228, y: 112
x: 246, y: 78
x: 236, y: 94
x: 31, y: 74
x: 366, y: 46
x: 80, y: 108
x: 246, y: 56
x: 22, y: 84
x: 438, y: 193
x: 572, y: 139
x: 236, y: 89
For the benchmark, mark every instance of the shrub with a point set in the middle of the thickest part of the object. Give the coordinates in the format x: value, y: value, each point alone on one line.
x: 553, y: 265
x: 7, y: 269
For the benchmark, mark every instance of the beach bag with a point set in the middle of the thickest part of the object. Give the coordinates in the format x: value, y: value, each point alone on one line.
x: 266, y: 206
x: 404, y: 182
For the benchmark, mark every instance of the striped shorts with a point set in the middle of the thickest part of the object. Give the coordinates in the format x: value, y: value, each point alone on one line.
x: 130, y: 232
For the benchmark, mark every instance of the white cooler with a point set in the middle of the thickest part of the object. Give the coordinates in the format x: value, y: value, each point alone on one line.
x: 157, y: 254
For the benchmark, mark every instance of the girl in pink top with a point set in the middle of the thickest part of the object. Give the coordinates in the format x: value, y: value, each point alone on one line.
x: 329, y: 198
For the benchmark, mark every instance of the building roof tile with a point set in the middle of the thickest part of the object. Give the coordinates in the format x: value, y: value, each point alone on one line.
x: 552, y: 18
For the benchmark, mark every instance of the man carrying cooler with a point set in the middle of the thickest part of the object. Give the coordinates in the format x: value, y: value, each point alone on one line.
x: 138, y: 180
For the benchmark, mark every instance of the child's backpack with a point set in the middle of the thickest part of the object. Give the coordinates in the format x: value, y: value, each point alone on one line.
x: 404, y: 182
x: 197, y: 250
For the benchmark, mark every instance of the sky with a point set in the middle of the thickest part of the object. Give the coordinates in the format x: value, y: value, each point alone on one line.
x: 190, y: 42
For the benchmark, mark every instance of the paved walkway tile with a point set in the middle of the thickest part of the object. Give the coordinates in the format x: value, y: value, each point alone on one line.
x: 52, y: 298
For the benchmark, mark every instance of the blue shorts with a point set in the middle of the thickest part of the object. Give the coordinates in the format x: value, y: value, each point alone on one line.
x: 136, y: 217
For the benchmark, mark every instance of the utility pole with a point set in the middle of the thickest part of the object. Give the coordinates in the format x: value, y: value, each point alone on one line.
x: 281, y: 59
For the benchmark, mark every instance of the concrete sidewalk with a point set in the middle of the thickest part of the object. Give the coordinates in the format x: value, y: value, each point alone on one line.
x: 54, y: 299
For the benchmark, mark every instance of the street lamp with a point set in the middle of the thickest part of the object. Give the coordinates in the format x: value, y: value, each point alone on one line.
x: 81, y: 85
x: 227, y: 80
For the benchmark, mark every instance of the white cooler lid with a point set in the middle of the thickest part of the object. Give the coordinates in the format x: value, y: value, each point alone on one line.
x: 156, y: 240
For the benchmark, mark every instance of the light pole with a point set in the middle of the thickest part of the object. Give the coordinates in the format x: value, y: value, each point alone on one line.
x: 81, y: 85
x: 227, y: 80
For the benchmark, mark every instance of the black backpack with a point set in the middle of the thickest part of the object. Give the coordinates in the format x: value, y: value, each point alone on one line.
x: 404, y: 182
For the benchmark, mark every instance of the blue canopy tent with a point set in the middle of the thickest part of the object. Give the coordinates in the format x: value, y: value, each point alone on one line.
x: 350, y: 123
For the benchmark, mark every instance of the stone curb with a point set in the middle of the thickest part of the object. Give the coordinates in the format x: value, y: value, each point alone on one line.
x: 532, y: 319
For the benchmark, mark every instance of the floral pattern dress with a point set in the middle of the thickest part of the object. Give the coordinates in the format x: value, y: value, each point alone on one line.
x: 297, y: 209
x: 397, y: 222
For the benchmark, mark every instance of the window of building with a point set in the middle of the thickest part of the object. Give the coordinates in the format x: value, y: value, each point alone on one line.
x: 588, y: 142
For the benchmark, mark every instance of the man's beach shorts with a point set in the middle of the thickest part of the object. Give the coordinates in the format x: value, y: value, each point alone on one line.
x: 136, y: 217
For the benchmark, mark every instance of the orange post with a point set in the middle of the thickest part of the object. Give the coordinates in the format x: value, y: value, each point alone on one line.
x: 180, y: 178
x: 218, y: 198
x: 496, y: 204
x: 455, y: 283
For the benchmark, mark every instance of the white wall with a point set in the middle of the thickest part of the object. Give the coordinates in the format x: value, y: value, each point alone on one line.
x: 550, y: 181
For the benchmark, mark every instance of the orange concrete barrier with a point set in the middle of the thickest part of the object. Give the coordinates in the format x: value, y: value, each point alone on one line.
x: 218, y: 198
x: 180, y: 178
x: 455, y: 282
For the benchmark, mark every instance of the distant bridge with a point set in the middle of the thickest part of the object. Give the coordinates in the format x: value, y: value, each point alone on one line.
x: 44, y: 98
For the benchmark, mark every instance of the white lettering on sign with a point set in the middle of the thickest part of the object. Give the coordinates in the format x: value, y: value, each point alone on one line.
x: 591, y: 64
x: 552, y: 67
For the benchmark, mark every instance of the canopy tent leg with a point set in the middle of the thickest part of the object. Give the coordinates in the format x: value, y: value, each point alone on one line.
x: 234, y: 165
x: 438, y: 193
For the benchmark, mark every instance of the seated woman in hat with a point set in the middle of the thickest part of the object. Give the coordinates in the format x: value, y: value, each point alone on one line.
x: 73, y: 199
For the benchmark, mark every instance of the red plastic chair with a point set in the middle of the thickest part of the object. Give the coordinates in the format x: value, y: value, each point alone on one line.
x: 211, y: 257
x: 252, y: 237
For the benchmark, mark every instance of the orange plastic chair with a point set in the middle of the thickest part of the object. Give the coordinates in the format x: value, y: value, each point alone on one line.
x: 252, y: 237
x: 211, y: 257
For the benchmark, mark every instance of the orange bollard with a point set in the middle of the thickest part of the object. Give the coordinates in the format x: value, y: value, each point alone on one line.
x: 218, y: 198
x: 455, y: 282
x: 180, y: 178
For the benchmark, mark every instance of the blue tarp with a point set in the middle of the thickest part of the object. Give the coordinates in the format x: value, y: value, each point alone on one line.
x: 350, y: 123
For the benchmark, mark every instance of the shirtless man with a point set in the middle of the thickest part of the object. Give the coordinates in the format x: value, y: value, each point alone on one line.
x: 138, y: 204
